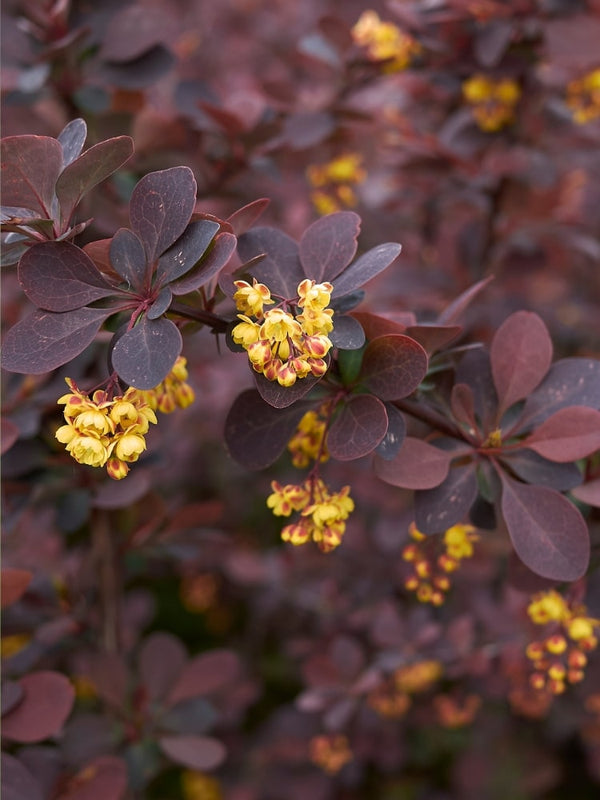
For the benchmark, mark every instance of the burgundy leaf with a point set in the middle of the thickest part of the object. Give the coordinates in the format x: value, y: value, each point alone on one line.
x: 303, y: 129
x: 58, y: 276
x: 284, y: 396
x: 194, y: 752
x: 120, y: 494
x: 375, y: 325
x: 72, y: 138
x: 452, y: 313
x: 221, y: 250
x: 144, y: 355
x: 520, y: 355
x: 194, y: 716
x: 366, y: 267
x: 393, y: 366
x: 30, y: 168
x: 17, y: 781
x: 13, y: 585
x: 347, y: 333
x: 463, y: 405
x: 187, y: 250
x: 474, y: 370
x: 418, y: 465
x: 132, y: 31
x: 89, y: 169
x: 206, y: 673
x: 8, y: 436
x: 140, y: 72
x: 433, y: 337
x: 280, y: 270
x: 589, y: 493
x: 47, y: 702
x: 445, y: 505
x: 329, y: 245
x: 532, y: 468
x: 256, y: 433
x: 570, y: 382
x: 245, y: 217
x: 104, y: 778
x: 389, y: 447
x: 44, y: 340
x: 548, y: 533
x: 161, y: 304
x: 108, y: 673
x: 128, y: 259
x: 12, y: 692
x: 162, y: 657
x: 568, y: 435
x: 358, y: 427
x: 160, y: 208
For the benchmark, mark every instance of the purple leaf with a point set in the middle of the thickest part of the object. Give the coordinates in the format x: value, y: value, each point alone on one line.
x: 47, y: 702
x: 347, y: 333
x: 393, y: 366
x: 358, y: 427
x: 375, y: 325
x: 120, y: 494
x: 366, y: 267
x: 418, y: 465
x: 463, y: 405
x: 433, y: 337
x: 329, y: 245
x: 206, y: 673
x: 284, y: 396
x: 128, y: 259
x: 256, y: 433
x: 30, y: 168
x: 280, y: 269
x: 245, y: 217
x: 589, y: 493
x: 90, y: 169
x: 8, y: 435
x: 13, y: 585
x: 187, y: 250
x: 532, y: 468
x: 452, y: 313
x: 568, y: 435
x: 161, y: 304
x: 160, y: 208
x: 194, y: 716
x: 194, y: 752
x: 474, y: 370
x: 45, y: 340
x: 221, y: 250
x: 548, y: 533
x: 108, y: 672
x: 12, y: 692
x: 161, y: 660
x: 144, y: 355
x: 492, y: 41
x: 17, y: 781
x: 72, y: 138
x: 58, y: 276
x: 520, y: 355
x: 446, y: 505
x: 140, y: 72
x: 389, y: 447
x: 303, y: 129
x: 570, y: 382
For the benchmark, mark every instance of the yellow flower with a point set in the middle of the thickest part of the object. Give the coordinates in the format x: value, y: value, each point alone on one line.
x: 88, y: 450
x: 580, y: 628
x: 418, y: 677
x: 278, y: 325
x: 129, y: 446
x: 493, y: 101
x: 199, y: 786
x: 117, y: 469
x: 330, y: 752
x: 583, y: 97
x: 250, y: 299
x: 459, y: 541
x: 384, y: 41
x: 548, y: 606
x: 288, y: 498
x: 307, y: 443
x: 313, y: 295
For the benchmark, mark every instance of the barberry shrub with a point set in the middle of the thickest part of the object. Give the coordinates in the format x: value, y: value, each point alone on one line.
x: 435, y: 465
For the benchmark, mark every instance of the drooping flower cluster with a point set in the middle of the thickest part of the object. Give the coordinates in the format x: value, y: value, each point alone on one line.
x: 308, y: 444
x: 384, y: 42
x: 583, y: 97
x: 280, y: 345
x: 330, y: 751
x: 110, y: 431
x: 333, y: 183
x: 561, y: 657
x: 393, y: 698
x: 322, y: 514
x: 430, y: 577
x: 493, y: 102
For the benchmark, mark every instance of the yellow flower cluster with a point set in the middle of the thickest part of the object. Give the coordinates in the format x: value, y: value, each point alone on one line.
x: 583, y: 97
x: 493, y: 102
x: 429, y: 579
x: 282, y: 346
x: 200, y: 786
x: 307, y: 443
x: 393, y: 699
x: 333, y: 183
x: 330, y: 751
x: 561, y: 657
x: 384, y: 42
x: 452, y: 714
x: 323, y: 514
x: 174, y: 392
x: 109, y: 431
